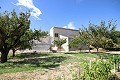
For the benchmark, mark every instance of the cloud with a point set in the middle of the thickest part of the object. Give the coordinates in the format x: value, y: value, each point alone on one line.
x: 29, y: 4
x: 70, y: 25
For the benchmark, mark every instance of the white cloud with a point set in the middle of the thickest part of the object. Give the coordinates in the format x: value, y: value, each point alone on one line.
x: 29, y: 4
x: 70, y: 25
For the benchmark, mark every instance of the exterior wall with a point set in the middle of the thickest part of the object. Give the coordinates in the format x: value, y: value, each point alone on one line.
x: 63, y: 31
x: 52, y: 32
x: 42, y: 45
x: 66, y: 45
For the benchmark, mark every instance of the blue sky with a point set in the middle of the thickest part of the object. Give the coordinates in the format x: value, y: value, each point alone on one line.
x: 65, y: 13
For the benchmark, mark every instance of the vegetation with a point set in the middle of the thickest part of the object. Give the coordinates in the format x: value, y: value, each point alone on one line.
x: 114, y: 60
x: 86, y: 66
x: 15, y: 33
x: 98, y: 36
x: 26, y: 41
x: 97, y: 71
x: 31, y: 61
x: 59, y: 43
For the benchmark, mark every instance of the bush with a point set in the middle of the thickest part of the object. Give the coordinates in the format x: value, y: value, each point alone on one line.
x: 97, y: 71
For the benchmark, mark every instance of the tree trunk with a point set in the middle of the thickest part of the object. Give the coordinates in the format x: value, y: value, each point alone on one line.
x: 118, y: 67
x: 60, y: 49
x: 4, y: 54
x: 80, y: 49
x: 13, y: 53
x: 97, y: 49
x: 89, y: 50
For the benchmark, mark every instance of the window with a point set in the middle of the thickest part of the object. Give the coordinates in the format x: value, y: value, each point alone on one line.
x: 56, y: 34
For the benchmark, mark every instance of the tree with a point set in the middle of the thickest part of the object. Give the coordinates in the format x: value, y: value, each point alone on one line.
x: 82, y: 39
x: 59, y: 43
x: 76, y: 43
x: 115, y: 36
x: 14, y: 32
x: 26, y: 41
x: 86, y: 38
x: 106, y: 43
x: 100, y: 33
x: 97, y: 35
x: 12, y: 28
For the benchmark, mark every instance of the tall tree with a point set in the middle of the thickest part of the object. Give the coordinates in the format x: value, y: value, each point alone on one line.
x: 14, y: 31
x: 12, y: 28
x: 86, y: 38
x: 100, y: 33
x: 99, y: 36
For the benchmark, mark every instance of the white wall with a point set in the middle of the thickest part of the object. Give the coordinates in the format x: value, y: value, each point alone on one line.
x: 66, y: 45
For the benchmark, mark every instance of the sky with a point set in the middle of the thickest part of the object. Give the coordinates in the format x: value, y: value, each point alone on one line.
x: 65, y: 13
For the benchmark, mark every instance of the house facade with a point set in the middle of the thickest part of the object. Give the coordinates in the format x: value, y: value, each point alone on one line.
x: 63, y: 33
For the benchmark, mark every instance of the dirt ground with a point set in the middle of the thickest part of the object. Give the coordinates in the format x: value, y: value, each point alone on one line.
x: 62, y: 72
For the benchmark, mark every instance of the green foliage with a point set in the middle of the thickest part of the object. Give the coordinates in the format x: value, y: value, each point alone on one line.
x: 99, y: 71
x: 59, y: 42
x: 76, y: 43
x: 39, y: 34
x: 99, y: 36
x: 115, y: 36
x: 15, y: 32
x: 106, y: 43
x: 12, y: 27
x: 115, y: 60
x: 84, y: 38
x: 27, y: 39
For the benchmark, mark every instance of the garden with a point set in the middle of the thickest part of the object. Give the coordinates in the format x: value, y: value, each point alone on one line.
x: 15, y: 34
x: 61, y: 66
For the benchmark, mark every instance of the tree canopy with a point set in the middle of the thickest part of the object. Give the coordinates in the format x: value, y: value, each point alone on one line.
x: 15, y: 32
x: 59, y: 43
x: 99, y: 36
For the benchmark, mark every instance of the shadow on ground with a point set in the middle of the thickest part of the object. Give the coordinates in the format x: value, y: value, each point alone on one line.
x: 30, y: 55
x: 35, y: 60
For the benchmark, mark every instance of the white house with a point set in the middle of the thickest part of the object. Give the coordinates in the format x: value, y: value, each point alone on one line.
x: 63, y: 33
x: 55, y: 34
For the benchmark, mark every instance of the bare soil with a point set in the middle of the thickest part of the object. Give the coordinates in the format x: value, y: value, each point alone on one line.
x: 62, y: 72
